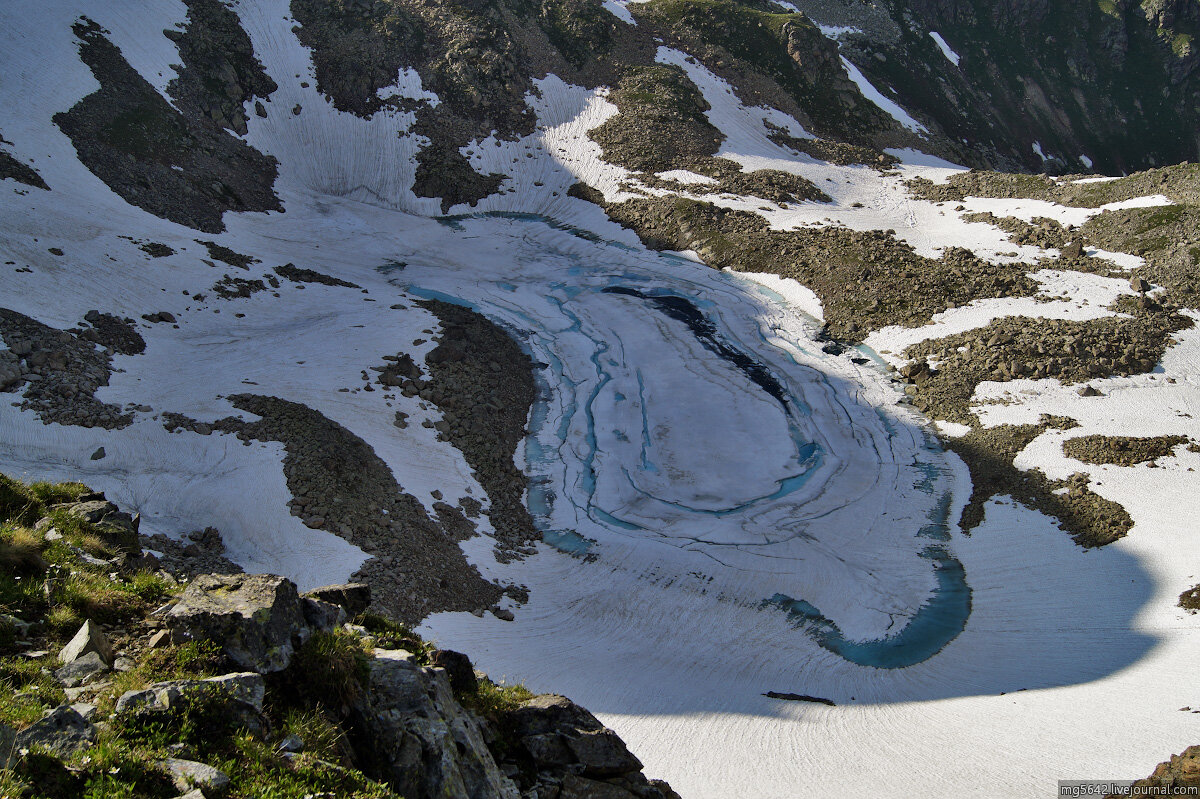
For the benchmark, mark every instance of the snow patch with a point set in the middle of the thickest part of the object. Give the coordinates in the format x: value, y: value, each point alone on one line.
x: 875, y: 96
x: 951, y: 56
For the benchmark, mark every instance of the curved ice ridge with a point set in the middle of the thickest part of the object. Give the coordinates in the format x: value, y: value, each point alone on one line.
x: 688, y: 421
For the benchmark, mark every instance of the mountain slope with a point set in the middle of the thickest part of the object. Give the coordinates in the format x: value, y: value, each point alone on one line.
x: 650, y: 352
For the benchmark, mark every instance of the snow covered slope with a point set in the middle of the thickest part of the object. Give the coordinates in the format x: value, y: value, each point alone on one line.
x: 728, y: 503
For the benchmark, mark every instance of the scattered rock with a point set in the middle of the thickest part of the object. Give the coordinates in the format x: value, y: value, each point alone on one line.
x: 188, y: 774
x: 258, y: 618
x: 89, y: 638
x: 299, y: 275
x: 410, y: 731
x: 98, y: 454
x: 354, y: 598
x: 82, y: 670
x: 458, y: 667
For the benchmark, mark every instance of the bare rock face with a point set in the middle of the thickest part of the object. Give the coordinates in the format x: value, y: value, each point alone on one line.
x: 259, y: 618
x: 410, y: 731
x: 555, y: 730
x: 61, y: 731
x: 354, y: 598
x: 560, y: 749
x: 90, y: 638
x: 246, y: 688
x: 1180, y: 773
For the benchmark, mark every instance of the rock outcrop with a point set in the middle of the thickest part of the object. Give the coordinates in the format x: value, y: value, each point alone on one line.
x: 409, y: 730
x: 259, y: 619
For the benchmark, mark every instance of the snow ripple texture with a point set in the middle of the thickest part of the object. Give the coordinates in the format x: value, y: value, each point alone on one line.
x: 728, y: 508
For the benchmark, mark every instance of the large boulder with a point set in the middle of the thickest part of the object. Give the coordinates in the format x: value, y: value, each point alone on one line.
x: 188, y: 775
x: 61, y: 731
x: 259, y: 618
x: 82, y: 670
x: 409, y: 731
x: 354, y: 598
x: 458, y: 668
x: 89, y: 638
x: 560, y: 749
x: 246, y: 688
x: 557, y: 732
x: 236, y: 698
x: 113, y: 525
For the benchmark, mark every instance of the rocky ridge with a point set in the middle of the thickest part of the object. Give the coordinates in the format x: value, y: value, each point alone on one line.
x: 238, y: 681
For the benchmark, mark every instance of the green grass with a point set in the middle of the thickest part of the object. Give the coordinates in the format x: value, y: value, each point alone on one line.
x: 393, y: 635
x: 330, y: 670
x: 26, y: 503
x: 322, y: 737
x: 51, y: 586
x: 258, y: 772
x: 494, y: 699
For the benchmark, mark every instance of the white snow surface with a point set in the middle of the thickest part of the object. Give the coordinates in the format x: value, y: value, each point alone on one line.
x: 707, y: 474
x: 837, y: 31
x: 878, y: 98
x: 951, y: 56
x: 618, y: 10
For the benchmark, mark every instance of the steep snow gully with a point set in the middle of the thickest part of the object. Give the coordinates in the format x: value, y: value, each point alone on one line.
x: 729, y: 505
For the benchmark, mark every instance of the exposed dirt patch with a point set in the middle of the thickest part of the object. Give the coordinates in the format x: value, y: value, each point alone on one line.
x: 1167, y: 237
x: 220, y: 72
x: 156, y: 249
x: 1023, y: 347
x: 794, y: 67
x: 865, y: 280
x: 474, y: 57
x: 226, y: 255
x: 1121, y: 450
x: 10, y: 167
x: 236, y: 288
x: 661, y: 122
x: 483, y: 384
x: 834, y: 152
x: 60, y: 370
x: 339, y: 484
x: 298, y: 275
x: 175, y: 166
x: 1091, y: 519
x: 1181, y: 183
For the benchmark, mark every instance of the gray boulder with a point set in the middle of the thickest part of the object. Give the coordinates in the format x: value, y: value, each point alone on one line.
x: 411, y: 732
x: 188, y: 775
x: 242, y: 690
x: 61, y: 730
x: 89, y: 638
x: 555, y: 731
x: 354, y: 598
x: 82, y: 670
x: 322, y: 615
x: 458, y: 668
x: 258, y: 617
